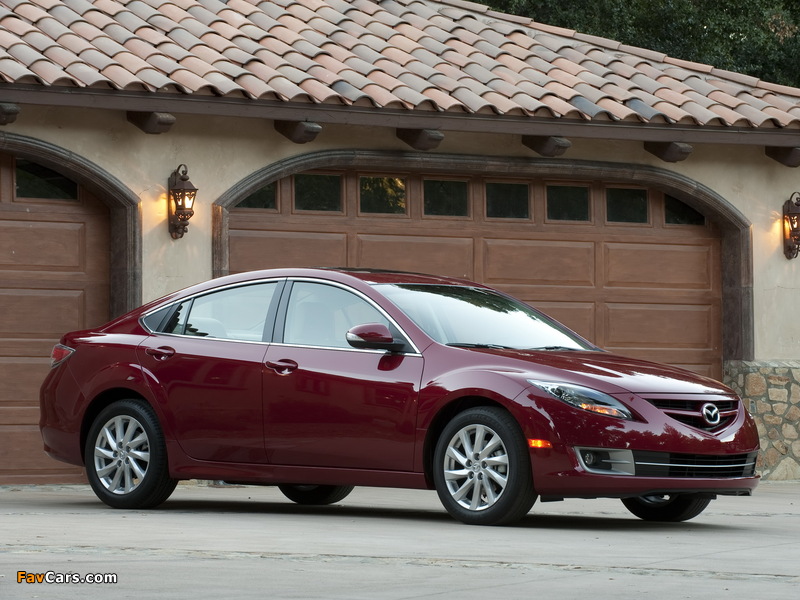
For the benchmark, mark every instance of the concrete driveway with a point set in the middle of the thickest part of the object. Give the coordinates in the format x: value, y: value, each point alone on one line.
x: 249, y: 542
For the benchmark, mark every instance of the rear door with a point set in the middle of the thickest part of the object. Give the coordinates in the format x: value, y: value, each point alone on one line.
x: 208, y: 362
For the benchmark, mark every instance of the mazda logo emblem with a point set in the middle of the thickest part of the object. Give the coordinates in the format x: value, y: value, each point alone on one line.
x: 710, y: 413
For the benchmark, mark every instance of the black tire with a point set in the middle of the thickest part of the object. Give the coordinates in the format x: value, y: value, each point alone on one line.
x: 133, y: 471
x: 315, y: 495
x: 667, y: 507
x: 496, y: 489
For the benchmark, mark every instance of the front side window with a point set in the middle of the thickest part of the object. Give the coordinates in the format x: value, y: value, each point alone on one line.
x: 478, y: 317
x: 320, y: 315
x: 238, y: 313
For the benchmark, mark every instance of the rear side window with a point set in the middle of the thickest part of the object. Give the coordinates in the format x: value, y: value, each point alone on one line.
x: 238, y: 313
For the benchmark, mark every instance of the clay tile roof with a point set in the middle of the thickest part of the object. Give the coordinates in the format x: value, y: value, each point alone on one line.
x: 409, y: 55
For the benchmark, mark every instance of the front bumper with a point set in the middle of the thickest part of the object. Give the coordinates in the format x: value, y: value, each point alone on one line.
x: 612, y: 473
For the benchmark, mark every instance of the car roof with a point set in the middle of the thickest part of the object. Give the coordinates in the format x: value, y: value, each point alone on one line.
x: 378, y: 276
x: 344, y: 275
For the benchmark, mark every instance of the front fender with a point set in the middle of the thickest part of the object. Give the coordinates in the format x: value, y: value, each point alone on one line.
x: 442, y: 397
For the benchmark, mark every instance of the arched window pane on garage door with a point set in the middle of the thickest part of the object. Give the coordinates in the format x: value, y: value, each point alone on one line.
x: 37, y: 181
x: 265, y: 197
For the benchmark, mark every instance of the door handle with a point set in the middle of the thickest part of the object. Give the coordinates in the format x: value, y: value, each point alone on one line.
x: 160, y: 353
x: 283, y: 366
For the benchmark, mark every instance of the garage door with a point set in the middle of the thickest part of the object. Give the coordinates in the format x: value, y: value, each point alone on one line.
x: 634, y: 270
x: 54, y: 277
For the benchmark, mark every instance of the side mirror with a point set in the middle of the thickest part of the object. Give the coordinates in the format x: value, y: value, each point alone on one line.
x: 373, y: 336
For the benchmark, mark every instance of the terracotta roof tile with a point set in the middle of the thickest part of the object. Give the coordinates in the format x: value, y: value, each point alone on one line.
x: 60, y: 56
x: 50, y: 73
x: 445, y: 55
x: 86, y: 75
x: 123, y: 79
x: 288, y: 90
x: 257, y: 88
x: 561, y: 108
x: 30, y: 12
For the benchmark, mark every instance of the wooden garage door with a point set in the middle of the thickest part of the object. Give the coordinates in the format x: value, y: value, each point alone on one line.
x: 54, y: 277
x: 633, y: 270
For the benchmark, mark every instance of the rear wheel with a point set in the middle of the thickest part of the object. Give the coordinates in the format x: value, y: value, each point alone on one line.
x: 667, y: 507
x: 126, y: 457
x: 482, y: 469
x: 316, y: 495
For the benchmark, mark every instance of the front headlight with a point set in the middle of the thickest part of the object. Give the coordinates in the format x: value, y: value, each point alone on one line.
x: 585, y: 399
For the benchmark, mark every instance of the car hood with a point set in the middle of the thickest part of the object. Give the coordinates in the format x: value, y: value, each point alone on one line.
x: 610, y: 372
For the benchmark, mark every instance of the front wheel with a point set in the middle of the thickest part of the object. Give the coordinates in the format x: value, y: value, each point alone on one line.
x: 667, y: 507
x: 315, y: 495
x: 126, y: 457
x: 482, y: 470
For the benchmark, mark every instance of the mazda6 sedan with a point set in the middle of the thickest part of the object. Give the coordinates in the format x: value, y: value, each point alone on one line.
x: 318, y: 380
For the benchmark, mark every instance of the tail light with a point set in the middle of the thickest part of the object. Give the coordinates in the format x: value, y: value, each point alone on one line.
x: 59, y: 354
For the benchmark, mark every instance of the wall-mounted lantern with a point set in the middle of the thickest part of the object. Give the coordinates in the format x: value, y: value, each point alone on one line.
x: 791, y: 226
x: 180, y: 201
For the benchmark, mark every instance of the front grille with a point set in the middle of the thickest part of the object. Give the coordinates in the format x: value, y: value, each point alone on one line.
x: 689, y: 411
x: 666, y: 464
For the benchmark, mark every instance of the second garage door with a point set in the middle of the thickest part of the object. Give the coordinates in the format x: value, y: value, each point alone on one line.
x: 634, y: 270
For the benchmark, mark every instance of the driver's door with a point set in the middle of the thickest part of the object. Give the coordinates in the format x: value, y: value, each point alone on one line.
x: 327, y: 404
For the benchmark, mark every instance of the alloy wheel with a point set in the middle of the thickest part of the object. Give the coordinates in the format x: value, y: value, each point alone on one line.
x: 121, y: 454
x: 476, y: 467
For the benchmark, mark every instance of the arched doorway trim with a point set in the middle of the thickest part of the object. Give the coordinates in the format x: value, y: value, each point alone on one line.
x: 126, y: 256
x: 737, y: 265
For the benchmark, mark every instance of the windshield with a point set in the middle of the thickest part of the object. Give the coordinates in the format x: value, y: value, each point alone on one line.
x: 478, y: 317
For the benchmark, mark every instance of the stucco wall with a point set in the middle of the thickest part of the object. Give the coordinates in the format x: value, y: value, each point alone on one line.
x: 219, y: 152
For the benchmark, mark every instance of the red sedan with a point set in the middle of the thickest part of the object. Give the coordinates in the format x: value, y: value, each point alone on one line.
x: 319, y: 380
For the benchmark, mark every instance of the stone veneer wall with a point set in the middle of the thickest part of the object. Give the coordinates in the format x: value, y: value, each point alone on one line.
x: 771, y: 390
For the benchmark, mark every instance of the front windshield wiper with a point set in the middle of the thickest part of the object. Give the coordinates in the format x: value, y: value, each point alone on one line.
x: 492, y: 346
x: 557, y: 349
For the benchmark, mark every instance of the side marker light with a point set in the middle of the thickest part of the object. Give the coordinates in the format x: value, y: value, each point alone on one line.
x: 539, y: 444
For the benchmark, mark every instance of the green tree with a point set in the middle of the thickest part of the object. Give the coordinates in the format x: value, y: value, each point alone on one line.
x: 760, y: 38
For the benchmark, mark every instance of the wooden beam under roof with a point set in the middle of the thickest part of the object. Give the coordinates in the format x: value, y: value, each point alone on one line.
x: 547, y: 145
x: 8, y: 113
x: 421, y: 139
x: 669, y: 151
x: 788, y: 156
x: 152, y: 122
x: 300, y: 132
